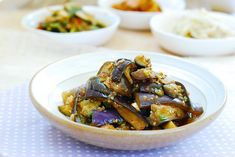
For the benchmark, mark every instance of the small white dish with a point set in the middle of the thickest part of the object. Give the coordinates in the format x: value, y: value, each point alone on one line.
x: 140, y: 20
x: 163, y: 24
x: 48, y: 84
x: 225, y: 5
x: 93, y: 37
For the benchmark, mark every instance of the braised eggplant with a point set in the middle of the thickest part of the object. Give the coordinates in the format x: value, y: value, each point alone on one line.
x: 184, y: 93
x: 143, y: 74
x: 145, y: 100
x: 100, y: 118
x: 129, y: 95
x: 166, y: 100
x: 142, y: 61
x: 129, y: 113
x: 95, y: 84
x: 121, y: 88
x: 150, y: 87
x: 105, y: 71
x: 119, y: 69
x: 162, y: 113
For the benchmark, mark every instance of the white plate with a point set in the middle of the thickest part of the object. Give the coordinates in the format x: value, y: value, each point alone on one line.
x: 48, y: 84
x: 94, y: 37
x: 162, y: 26
x: 140, y: 20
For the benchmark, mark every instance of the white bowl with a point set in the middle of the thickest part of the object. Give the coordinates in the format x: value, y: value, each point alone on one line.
x: 93, y: 37
x: 225, y: 5
x: 48, y: 84
x: 140, y: 20
x: 163, y: 24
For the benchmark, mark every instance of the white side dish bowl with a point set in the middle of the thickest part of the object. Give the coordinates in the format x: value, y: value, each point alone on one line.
x: 93, y: 37
x: 48, y: 84
x: 162, y: 26
x: 140, y: 20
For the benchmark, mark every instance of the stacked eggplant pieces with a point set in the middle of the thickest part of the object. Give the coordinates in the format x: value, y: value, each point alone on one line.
x: 129, y: 95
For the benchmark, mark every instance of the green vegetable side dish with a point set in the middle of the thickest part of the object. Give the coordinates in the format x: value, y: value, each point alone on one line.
x: 72, y: 18
x: 129, y: 95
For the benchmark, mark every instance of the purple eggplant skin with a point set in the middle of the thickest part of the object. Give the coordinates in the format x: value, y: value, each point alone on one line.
x: 143, y: 74
x: 142, y: 62
x: 95, y: 84
x: 96, y: 90
x: 119, y: 69
x: 127, y: 72
x: 121, y: 88
x: 105, y: 71
x: 129, y: 113
x: 150, y: 87
x: 184, y: 93
x: 92, y: 94
x: 79, y: 96
x: 196, y: 109
x: 100, y: 118
x: 145, y: 100
x: 166, y: 100
x: 193, y: 109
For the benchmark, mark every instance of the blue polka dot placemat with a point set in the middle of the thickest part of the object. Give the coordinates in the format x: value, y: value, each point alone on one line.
x: 25, y: 133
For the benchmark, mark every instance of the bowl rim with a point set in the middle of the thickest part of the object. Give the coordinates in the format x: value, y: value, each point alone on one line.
x: 143, y: 13
x: 24, y: 20
x: 93, y: 129
x: 179, y: 37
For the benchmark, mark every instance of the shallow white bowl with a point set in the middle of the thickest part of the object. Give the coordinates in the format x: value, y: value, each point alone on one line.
x: 48, y: 84
x: 140, y: 20
x: 93, y: 37
x: 163, y: 24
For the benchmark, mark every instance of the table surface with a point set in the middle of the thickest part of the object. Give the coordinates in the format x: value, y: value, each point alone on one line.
x: 23, y: 53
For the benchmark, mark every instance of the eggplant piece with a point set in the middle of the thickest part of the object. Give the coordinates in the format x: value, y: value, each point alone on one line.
x: 129, y: 113
x: 68, y: 102
x: 142, y: 62
x: 153, y: 88
x: 177, y: 90
x: 105, y: 71
x: 121, y: 88
x: 68, y: 97
x: 100, y: 118
x: 119, y: 69
x: 127, y: 72
x: 184, y: 92
x: 86, y: 107
x: 97, y: 90
x: 169, y: 125
x: 143, y: 74
x: 145, y: 100
x: 162, y: 113
x: 79, y: 96
x: 172, y: 90
x: 92, y: 94
x: 95, y: 84
x: 175, y: 102
x: 66, y: 110
x: 196, y: 110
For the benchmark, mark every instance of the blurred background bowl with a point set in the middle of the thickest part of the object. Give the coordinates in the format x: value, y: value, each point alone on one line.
x: 93, y: 37
x: 163, y: 24
x: 140, y: 20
